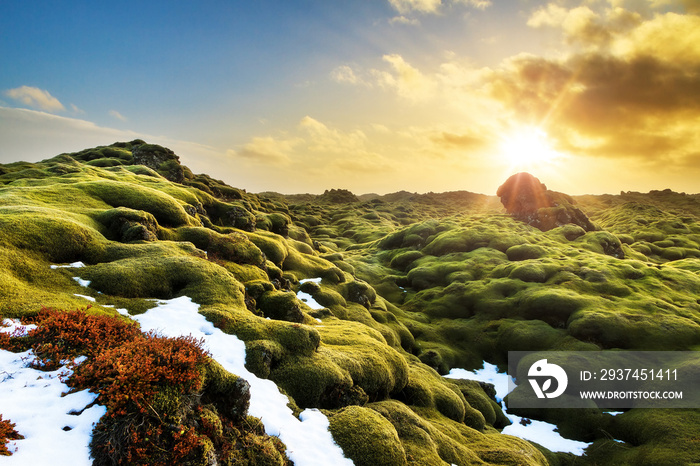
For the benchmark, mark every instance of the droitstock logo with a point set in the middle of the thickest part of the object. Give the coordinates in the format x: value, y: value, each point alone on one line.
x: 541, y: 370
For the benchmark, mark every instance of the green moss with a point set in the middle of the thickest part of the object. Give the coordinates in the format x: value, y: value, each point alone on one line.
x: 430, y: 438
x: 529, y: 272
x: 166, y: 278
x: 489, y: 411
x: 363, y: 353
x: 426, y: 388
x: 234, y: 246
x: 229, y: 393
x: 126, y: 225
x: 59, y: 236
x: 261, y: 355
x: 601, y: 242
x: 366, y: 437
x: 281, y: 305
x: 274, y: 249
x: 445, y: 279
x: 522, y: 252
x: 652, y: 437
x: 164, y: 208
x: 28, y: 283
x: 552, y: 306
x: 313, y: 381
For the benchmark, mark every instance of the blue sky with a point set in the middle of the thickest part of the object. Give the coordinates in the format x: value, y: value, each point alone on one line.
x: 369, y: 95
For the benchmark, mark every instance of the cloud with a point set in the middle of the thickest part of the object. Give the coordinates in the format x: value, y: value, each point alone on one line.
x: 670, y: 37
x: 406, y: 80
x: 422, y: 6
x: 117, y: 115
x: 579, y: 23
x: 344, y: 74
x: 35, y: 98
x: 641, y: 101
x: 32, y: 135
x: 268, y: 149
x: 319, y: 138
x: 478, y: 4
x: 433, y: 6
x: 404, y: 20
x: 76, y: 110
x: 459, y: 141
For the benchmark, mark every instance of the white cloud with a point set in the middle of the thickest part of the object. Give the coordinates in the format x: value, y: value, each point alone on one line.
x: 345, y: 74
x: 35, y: 98
x: 478, y: 4
x: 321, y: 138
x: 117, y: 115
x: 32, y: 135
x: 422, y: 6
x: 76, y: 110
x: 404, y: 20
x: 433, y: 6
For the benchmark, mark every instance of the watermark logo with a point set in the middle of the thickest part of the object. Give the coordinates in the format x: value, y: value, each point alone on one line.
x: 542, y: 370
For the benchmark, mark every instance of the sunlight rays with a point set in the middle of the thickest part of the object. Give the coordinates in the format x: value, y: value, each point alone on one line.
x: 528, y: 148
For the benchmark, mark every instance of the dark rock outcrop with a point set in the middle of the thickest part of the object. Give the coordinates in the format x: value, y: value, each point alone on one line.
x: 337, y: 196
x: 529, y: 200
x: 160, y: 159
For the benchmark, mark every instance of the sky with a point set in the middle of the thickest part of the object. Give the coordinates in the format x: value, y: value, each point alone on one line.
x: 595, y: 96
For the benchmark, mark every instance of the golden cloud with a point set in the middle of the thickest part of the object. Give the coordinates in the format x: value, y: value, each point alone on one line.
x: 459, y: 141
x: 632, y: 94
x: 406, y: 80
x: 268, y: 149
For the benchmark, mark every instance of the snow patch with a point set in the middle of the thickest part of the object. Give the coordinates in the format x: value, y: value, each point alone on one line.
x: 81, y: 282
x: 306, y: 297
x: 73, y: 265
x: 540, y: 432
x: 89, y: 298
x: 57, y: 428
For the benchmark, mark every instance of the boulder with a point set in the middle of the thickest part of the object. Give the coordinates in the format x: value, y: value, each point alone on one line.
x: 529, y: 200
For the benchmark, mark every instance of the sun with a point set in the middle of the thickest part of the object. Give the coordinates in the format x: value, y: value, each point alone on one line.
x: 528, y: 148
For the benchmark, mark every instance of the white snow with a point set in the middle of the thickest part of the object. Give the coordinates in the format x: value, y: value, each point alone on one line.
x: 33, y: 401
x: 537, y: 431
x: 306, y: 297
x: 73, y: 265
x: 89, y: 298
x: 81, y: 282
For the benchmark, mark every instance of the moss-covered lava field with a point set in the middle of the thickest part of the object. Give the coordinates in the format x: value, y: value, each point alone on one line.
x: 412, y: 285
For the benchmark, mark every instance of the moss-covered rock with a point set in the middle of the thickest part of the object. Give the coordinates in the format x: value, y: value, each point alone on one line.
x: 366, y: 437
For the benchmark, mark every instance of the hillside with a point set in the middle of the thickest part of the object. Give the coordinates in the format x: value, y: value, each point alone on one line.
x: 412, y: 285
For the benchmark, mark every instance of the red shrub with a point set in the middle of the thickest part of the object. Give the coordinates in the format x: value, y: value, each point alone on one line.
x: 67, y: 334
x: 7, y: 433
x: 128, y: 376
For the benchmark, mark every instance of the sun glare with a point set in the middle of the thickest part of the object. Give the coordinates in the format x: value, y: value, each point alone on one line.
x: 528, y: 148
